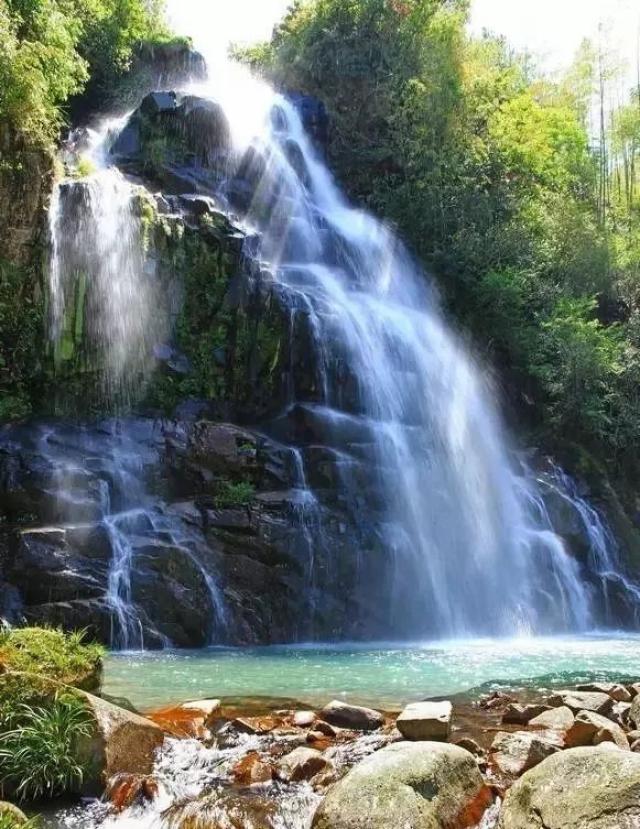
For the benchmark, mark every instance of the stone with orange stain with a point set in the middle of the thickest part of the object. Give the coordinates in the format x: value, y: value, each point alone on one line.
x: 389, y: 789
x: 126, y: 790
x: 252, y: 769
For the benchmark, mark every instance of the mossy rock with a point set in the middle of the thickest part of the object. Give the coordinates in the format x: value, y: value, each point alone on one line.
x: 11, y: 816
x: 52, y: 655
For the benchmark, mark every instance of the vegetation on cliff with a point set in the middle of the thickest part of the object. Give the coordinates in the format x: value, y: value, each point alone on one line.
x: 493, y: 173
x: 42, y: 719
x: 51, y: 49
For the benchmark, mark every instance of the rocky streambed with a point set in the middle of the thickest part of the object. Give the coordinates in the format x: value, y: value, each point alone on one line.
x: 567, y: 759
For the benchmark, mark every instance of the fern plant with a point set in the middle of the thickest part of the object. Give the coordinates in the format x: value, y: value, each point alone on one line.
x: 38, y: 757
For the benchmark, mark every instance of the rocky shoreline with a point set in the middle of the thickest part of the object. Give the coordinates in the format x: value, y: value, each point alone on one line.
x: 569, y: 759
x: 565, y: 758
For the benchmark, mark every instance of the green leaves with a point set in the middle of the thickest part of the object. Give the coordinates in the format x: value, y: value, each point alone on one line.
x: 39, y: 755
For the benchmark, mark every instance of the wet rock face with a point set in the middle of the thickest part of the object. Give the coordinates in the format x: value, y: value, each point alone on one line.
x: 25, y: 182
x: 149, y: 532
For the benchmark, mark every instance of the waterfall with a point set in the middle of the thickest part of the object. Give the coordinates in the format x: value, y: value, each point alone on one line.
x: 464, y: 551
x: 102, y: 297
x: 452, y: 535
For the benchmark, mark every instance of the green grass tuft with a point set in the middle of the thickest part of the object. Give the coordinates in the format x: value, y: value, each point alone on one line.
x: 38, y: 755
x: 62, y: 657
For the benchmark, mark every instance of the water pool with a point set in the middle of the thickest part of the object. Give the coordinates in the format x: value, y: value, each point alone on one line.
x: 382, y: 674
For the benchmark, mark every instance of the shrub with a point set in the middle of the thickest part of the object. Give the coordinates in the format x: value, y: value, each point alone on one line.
x: 58, y: 656
x: 233, y: 495
x: 38, y: 755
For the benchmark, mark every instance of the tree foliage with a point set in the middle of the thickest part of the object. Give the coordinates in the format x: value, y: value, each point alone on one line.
x: 49, y: 49
x: 527, y: 211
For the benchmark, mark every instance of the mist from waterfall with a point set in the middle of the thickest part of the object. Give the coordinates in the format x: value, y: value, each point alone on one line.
x: 103, y: 309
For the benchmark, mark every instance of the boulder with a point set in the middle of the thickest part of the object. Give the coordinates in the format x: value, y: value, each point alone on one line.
x: 515, y: 753
x: 11, y: 816
x: 426, y: 721
x: 595, y: 701
x: 582, y: 788
x: 556, y: 719
x: 121, y: 743
x: 302, y: 763
x: 352, y: 716
x: 304, y: 719
x: 634, y: 712
x: 157, y: 102
x: 616, y: 691
x: 590, y: 729
x: 419, y: 785
x: 517, y: 714
x: 620, y: 713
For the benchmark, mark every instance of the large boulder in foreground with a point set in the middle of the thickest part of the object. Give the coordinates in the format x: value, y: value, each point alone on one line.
x: 11, y: 816
x: 121, y: 743
x: 581, y: 788
x: 419, y: 785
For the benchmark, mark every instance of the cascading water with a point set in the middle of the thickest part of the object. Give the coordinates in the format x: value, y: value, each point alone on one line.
x: 464, y: 550
x: 104, y: 312
x: 451, y: 537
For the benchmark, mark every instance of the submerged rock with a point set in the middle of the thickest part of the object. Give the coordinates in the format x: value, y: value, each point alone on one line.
x: 581, y: 788
x: 352, y: 716
x: 229, y: 810
x: 517, y: 714
x: 418, y: 785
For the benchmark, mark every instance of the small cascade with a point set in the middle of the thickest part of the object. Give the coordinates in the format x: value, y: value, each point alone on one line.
x: 104, y: 315
x: 620, y: 594
x: 116, y: 540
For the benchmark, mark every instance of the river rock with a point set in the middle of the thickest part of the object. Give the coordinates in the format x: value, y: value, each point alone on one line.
x: 425, y: 721
x: 126, y: 790
x: 517, y: 714
x: 302, y: 763
x: 620, y: 713
x: 556, y: 719
x: 209, y: 709
x: 515, y: 753
x: 224, y: 810
x: 304, y: 719
x: 419, y: 785
x: 582, y: 788
x: 595, y: 701
x: 252, y: 770
x: 121, y: 743
x: 634, y: 712
x: 590, y: 729
x: 613, y: 689
x: 352, y: 716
